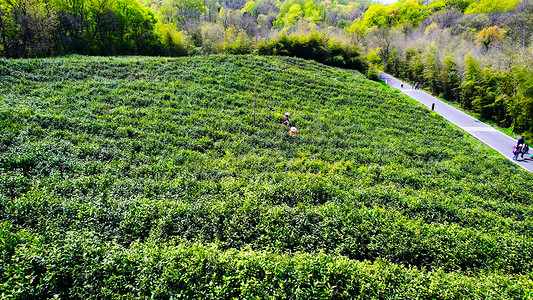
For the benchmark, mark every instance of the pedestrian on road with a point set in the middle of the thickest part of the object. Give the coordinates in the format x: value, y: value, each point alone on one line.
x: 416, y: 86
x: 402, y: 85
x: 525, y: 150
x: 516, y: 151
x: 520, y: 141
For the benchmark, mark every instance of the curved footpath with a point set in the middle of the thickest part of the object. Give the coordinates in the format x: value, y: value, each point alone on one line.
x: 483, y: 132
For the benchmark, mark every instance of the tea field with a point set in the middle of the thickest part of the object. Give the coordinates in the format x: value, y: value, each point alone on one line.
x: 170, y: 178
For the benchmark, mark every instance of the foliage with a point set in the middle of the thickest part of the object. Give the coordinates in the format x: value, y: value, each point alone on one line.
x: 490, y: 6
x: 293, y: 10
x: 91, y: 269
x: 250, y: 8
x: 317, y: 47
x: 461, y: 5
x: 172, y: 41
x: 400, y: 14
x: 490, y: 35
x: 179, y: 12
x: 44, y: 28
x: 173, y: 177
x: 376, y: 15
x: 236, y: 42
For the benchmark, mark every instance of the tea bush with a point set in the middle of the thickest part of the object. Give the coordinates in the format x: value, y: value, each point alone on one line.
x: 141, y: 177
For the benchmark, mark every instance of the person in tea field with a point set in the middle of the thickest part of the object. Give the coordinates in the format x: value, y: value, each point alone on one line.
x: 286, y: 122
x: 293, y: 131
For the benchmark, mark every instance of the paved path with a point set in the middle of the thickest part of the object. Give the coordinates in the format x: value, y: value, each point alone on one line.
x: 485, y: 133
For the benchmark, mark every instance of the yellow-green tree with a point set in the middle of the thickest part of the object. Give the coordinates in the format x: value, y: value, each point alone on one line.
x: 179, y: 12
x: 488, y: 6
x: 400, y: 14
x: 489, y: 36
x: 293, y: 10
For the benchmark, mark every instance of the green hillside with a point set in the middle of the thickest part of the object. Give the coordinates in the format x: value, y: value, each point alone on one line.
x: 173, y: 178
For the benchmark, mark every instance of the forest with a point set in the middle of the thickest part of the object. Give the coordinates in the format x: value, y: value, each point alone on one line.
x: 477, y: 54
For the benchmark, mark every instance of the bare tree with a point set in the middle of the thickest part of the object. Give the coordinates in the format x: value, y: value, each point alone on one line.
x: 519, y: 23
x: 445, y: 18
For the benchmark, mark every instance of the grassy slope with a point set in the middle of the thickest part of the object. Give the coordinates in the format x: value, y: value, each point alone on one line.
x: 149, y: 176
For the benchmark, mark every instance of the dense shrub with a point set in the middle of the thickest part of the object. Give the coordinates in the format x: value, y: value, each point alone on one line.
x: 315, y: 46
x: 81, y: 266
x: 138, y: 177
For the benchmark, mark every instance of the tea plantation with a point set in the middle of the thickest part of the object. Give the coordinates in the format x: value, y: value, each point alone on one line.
x: 167, y: 178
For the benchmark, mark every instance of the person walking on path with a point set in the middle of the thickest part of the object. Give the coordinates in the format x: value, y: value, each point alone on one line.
x: 516, y: 151
x: 525, y: 150
x: 520, y: 141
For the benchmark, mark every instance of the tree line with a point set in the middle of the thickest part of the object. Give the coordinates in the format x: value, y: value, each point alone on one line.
x: 41, y: 28
x: 38, y: 28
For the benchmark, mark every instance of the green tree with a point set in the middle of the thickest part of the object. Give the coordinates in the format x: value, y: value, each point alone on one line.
x: 523, y: 104
x: 471, y: 82
x: 26, y: 28
x: 412, y: 12
x: 450, y: 79
x: 461, y: 5
x: 293, y: 10
x: 376, y: 15
x: 490, y: 6
x: 484, y: 100
x: 250, y: 7
x: 172, y: 40
x: 400, y: 14
x: 180, y: 12
x: 236, y: 41
x: 432, y: 70
x: 415, y: 64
